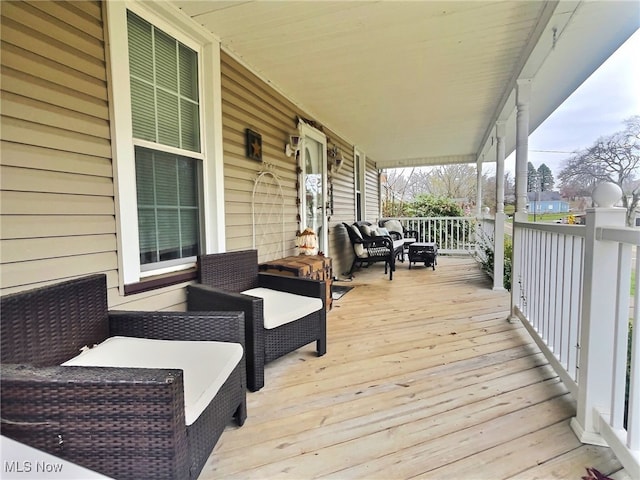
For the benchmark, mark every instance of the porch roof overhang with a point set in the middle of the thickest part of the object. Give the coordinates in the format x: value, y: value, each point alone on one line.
x: 420, y: 83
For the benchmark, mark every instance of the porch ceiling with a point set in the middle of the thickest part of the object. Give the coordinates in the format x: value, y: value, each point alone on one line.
x: 419, y: 83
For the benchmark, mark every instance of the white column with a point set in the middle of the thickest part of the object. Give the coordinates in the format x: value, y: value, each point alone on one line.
x: 498, y: 233
x: 479, y: 186
x: 598, y: 317
x: 523, y: 98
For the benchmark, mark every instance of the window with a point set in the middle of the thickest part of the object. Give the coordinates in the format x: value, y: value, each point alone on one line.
x: 167, y: 187
x: 164, y: 92
x: 165, y: 118
x: 358, y: 168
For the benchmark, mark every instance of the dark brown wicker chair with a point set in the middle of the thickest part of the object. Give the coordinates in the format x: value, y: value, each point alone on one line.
x: 223, y: 276
x: 122, y: 422
x: 368, y: 250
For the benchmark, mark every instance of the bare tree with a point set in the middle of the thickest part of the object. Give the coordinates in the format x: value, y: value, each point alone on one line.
x: 456, y: 182
x: 615, y: 159
x: 509, y: 189
x: 419, y: 183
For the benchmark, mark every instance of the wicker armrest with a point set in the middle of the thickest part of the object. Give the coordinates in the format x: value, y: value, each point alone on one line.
x: 204, y: 298
x: 381, y: 241
x: 227, y: 326
x: 83, y: 413
x: 296, y: 285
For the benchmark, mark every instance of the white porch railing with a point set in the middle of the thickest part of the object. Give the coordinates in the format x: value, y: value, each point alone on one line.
x: 485, y: 239
x: 549, y: 289
x: 571, y: 290
x: 454, y: 235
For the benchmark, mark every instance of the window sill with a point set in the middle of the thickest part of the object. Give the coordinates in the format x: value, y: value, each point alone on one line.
x: 160, y: 281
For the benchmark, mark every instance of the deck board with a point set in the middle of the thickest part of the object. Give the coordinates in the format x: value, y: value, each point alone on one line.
x: 423, y: 378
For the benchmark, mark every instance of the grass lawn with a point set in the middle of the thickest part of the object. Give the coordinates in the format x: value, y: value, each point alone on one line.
x: 539, y: 217
x: 547, y: 217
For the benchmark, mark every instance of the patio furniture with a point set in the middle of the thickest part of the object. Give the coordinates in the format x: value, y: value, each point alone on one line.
x: 369, y: 247
x: 426, y: 252
x: 124, y: 422
x: 281, y: 313
x: 398, y: 231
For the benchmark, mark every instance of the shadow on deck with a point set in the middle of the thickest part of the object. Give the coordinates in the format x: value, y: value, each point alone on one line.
x: 423, y: 377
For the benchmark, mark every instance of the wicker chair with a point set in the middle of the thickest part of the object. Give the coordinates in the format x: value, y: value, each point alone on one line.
x: 371, y: 249
x: 224, y: 276
x: 122, y: 422
x: 399, y: 232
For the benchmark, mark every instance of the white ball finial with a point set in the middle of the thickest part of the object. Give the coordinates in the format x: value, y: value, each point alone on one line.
x: 606, y: 195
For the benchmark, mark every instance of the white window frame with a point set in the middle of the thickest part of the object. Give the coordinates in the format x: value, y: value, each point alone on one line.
x: 359, y: 174
x: 179, y: 26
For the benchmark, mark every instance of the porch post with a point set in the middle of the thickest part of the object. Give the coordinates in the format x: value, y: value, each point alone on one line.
x: 479, y: 186
x: 523, y: 98
x: 498, y: 233
x: 595, y: 377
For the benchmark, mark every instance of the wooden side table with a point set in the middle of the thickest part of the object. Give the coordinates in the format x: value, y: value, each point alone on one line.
x: 315, y: 267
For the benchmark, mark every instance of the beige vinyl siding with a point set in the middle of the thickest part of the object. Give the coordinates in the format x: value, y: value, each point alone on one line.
x: 56, y: 186
x: 372, y: 186
x: 343, y: 210
x: 248, y: 102
x: 56, y: 175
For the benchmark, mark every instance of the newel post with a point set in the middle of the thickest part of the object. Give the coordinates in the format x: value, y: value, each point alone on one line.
x: 595, y: 374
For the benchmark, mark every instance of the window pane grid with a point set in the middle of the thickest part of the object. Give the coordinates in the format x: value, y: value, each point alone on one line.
x: 169, y: 69
x: 167, y: 206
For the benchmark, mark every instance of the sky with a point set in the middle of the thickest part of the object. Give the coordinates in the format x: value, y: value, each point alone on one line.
x: 597, y: 108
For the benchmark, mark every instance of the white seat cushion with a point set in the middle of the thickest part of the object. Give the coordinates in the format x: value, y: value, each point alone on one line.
x: 206, y: 365
x: 283, y: 307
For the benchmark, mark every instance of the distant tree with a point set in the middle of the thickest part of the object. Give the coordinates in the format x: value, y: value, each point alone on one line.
x: 418, y: 183
x: 532, y: 178
x: 545, y: 178
x: 427, y: 205
x: 577, y: 188
x: 394, y: 184
x: 616, y: 159
x: 489, y: 192
x: 401, y: 186
x: 509, y: 189
x: 454, y: 181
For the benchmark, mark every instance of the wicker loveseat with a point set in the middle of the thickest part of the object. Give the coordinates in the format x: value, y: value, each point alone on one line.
x: 231, y: 281
x: 370, y: 247
x: 122, y: 422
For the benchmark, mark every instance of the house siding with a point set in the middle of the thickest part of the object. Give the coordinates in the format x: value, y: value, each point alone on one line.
x: 58, y: 218
x: 249, y: 102
x: 58, y: 210
x: 56, y: 189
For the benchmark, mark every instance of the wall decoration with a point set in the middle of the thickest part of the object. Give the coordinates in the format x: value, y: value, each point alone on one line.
x: 253, y: 144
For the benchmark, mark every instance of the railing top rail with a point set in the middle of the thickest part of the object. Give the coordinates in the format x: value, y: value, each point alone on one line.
x: 573, y: 230
x: 628, y: 235
x: 430, y: 218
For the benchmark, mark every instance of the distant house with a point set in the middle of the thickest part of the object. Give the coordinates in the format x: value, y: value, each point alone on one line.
x: 546, y: 202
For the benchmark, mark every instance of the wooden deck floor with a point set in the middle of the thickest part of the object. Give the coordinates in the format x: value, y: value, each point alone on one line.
x: 423, y: 378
